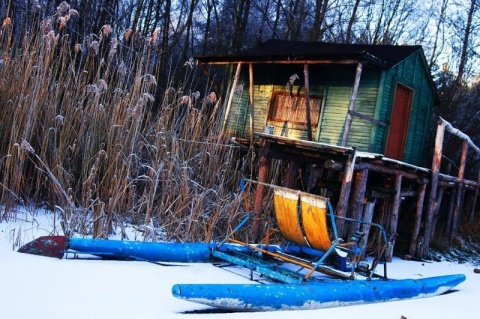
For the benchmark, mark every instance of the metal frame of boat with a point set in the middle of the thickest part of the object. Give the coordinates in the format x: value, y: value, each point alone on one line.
x: 313, y: 269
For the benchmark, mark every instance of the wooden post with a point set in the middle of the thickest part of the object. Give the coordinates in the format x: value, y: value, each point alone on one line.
x: 392, y: 226
x: 307, y: 102
x: 474, y: 204
x: 264, y: 167
x: 458, y: 198
x: 437, y: 159
x: 360, y: 187
x: 232, y: 93
x: 314, y: 176
x: 418, y: 219
x: 436, y: 209
x: 448, y: 223
x: 252, y: 103
x: 342, y: 205
x: 291, y: 175
x: 367, y: 217
x: 353, y: 101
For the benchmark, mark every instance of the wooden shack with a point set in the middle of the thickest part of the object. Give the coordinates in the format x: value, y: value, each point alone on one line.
x: 349, y: 121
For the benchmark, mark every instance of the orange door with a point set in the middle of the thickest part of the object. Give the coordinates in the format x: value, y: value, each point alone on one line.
x: 397, y: 135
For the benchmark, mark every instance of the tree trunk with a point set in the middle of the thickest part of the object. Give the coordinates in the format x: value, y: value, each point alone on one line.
x: 161, y: 77
x: 188, y: 28
x: 441, y: 20
x: 353, y: 17
x: 466, y: 43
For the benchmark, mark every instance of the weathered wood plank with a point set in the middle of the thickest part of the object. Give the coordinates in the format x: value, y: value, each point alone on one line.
x: 351, y: 107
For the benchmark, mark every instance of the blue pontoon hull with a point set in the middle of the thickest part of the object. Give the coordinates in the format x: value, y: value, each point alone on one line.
x: 58, y: 246
x: 312, y: 295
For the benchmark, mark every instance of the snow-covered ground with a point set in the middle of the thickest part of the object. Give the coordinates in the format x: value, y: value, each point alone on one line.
x: 37, y: 287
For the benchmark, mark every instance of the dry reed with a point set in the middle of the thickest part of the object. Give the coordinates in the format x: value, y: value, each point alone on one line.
x: 78, y: 136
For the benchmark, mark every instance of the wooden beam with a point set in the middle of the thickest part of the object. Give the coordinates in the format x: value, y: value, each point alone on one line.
x: 230, y: 97
x: 307, y: 102
x: 461, y: 135
x: 367, y: 118
x: 437, y: 159
x: 252, y: 99
x: 385, y: 170
x: 455, y: 180
x: 298, y: 61
x: 353, y: 101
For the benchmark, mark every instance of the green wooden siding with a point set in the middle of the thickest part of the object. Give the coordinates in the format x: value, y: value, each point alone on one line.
x: 334, y: 114
x: 411, y: 72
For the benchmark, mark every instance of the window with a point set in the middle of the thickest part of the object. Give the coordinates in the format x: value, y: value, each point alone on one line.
x: 292, y: 108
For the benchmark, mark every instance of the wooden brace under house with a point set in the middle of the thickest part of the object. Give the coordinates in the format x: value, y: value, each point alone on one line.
x: 350, y: 122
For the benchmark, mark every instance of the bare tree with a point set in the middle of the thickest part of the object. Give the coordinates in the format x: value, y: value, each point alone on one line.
x: 466, y: 41
x: 351, y: 21
x: 439, y: 28
x: 240, y: 15
x: 321, y: 7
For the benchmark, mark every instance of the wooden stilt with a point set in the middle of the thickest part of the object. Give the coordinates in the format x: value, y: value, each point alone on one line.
x: 315, y: 174
x: 437, y: 159
x: 264, y: 167
x: 360, y: 187
x: 418, y: 219
x: 448, y: 224
x: 458, y: 198
x: 230, y: 97
x: 342, y: 205
x: 307, y: 102
x: 367, y: 217
x: 252, y: 103
x: 471, y: 218
x: 436, y: 210
x: 292, y: 175
x: 353, y: 101
x: 392, y: 226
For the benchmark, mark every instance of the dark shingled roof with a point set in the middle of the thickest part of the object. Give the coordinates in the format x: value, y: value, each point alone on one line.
x: 280, y: 50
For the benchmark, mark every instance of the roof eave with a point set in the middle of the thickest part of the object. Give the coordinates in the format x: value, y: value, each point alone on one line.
x: 227, y: 60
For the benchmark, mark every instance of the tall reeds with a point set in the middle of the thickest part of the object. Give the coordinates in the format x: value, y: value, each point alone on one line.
x: 78, y: 135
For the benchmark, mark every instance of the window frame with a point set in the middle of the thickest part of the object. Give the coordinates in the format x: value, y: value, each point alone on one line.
x: 275, y: 116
